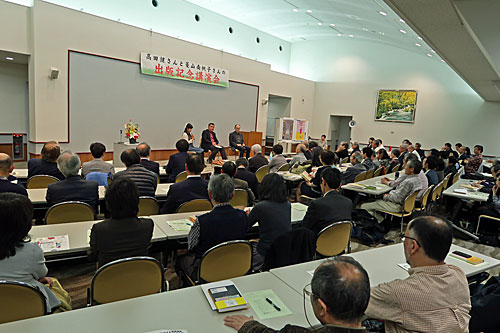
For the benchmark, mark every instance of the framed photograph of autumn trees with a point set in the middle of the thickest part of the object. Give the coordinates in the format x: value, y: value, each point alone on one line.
x: 396, y: 106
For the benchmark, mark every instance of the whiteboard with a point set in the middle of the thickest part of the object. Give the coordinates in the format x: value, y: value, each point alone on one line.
x: 105, y: 93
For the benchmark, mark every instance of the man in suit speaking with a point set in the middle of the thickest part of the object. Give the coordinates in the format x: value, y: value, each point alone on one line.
x: 209, y: 142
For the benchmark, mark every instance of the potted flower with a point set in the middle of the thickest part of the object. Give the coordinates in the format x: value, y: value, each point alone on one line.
x: 132, y: 131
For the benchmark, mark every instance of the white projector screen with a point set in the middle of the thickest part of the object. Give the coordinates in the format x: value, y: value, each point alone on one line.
x: 105, y: 93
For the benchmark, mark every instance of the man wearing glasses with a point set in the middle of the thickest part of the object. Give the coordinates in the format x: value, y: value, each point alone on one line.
x: 339, y: 293
x: 435, y: 297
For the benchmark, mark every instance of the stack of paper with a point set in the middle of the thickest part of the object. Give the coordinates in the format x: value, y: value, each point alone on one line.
x: 181, y: 225
x: 223, y: 296
x: 54, y: 243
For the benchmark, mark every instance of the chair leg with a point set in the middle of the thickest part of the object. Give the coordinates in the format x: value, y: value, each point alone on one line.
x: 402, y: 222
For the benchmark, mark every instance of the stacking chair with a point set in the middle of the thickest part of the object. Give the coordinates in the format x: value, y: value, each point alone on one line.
x: 408, y: 207
x: 181, y: 177
x: 240, y: 198
x: 284, y: 167
x: 486, y: 219
x: 425, y: 199
x: 396, y: 168
x: 69, y: 211
x: 446, y: 181
x: 126, y: 278
x: 225, y: 261
x: 456, y: 177
x: 378, y: 172
x: 40, y: 181
x: 196, y: 205
x: 148, y: 206
x: 20, y: 301
x: 334, y: 239
x: 369, y: 173
x: 360, y: 177
x: 261, y: 172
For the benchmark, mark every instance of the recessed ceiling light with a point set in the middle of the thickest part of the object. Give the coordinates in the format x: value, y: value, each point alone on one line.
x: 418, y: 44
x: 339, y: 35
x: 9, y: 58
x: 309, y: 11
x: 402, y: 31
x: 443, y: 61
x: 295, y: 10
x: 351, y: 36
x: 429, y: 55
x: 319, y: 23
x: 364, y: 29
x: 332, y: 24
x: 433, y: 51
x: 419, y: 37
x: 383, y: 13
x: 382, y: 33
x: 402, y: 21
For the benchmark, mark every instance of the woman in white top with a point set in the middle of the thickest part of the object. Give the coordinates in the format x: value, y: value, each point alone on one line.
x: 189, y: 137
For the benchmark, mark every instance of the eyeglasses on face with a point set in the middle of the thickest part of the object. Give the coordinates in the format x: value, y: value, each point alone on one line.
x: 403, y: 236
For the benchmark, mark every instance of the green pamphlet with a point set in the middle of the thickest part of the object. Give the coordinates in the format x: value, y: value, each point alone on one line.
x: 266, y: 304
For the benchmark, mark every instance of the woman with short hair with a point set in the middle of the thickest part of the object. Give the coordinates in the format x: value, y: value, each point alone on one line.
x: 21, y: 260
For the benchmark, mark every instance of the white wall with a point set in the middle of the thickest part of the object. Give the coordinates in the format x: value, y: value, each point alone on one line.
x: 56, y: 29
x: 349, y: 73
x: 13, y: 101
x: 14, y: 27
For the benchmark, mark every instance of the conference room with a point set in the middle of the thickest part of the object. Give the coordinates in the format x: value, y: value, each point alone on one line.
x: 247, y: 77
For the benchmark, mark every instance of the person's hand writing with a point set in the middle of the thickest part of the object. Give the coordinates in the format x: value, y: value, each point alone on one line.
x: 236, y: 321
x: 47, y: 280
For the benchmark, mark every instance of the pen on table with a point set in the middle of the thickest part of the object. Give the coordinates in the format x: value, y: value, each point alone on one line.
x: 274, y: 305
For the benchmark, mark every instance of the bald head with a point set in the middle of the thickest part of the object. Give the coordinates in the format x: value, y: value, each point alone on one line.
x: 301, y: 148
x: 6, y: 165
x: 144, y: 149
x: 343, y: 285
x: 51, y: 151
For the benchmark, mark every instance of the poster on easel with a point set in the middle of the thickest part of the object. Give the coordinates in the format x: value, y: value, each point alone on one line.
x: 286, y: 129
x: 301, y: 129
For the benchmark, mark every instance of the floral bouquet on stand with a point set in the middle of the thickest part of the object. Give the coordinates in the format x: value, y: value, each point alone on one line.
x: 132, y: 131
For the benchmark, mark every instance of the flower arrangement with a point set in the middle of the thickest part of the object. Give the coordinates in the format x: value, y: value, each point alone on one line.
x: 132, y: 131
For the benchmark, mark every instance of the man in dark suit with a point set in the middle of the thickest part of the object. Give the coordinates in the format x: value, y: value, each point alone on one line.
x: 229, y: 168
x: 332, y: 207
x: 258, y: 160
x: 177, y: 162
x: 222, y: 224
x: 243, y: 174
x: 192, y: 188
x: 73, y: 188
x: 47, y: 164
x: 144, y: 151
x: 209, y: 142
x: 354, y: 170
x: 145, y: 179
x: 6, y: 167
x: 236, y: 141
x: 124, y: 235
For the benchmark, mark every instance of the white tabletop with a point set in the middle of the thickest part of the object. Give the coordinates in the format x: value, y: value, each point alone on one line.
x: 381, y: 264
x: 375, y: 181
x: 37, y: 195
x: 297, y: 215
x: 471, y: 194
x: 179, y: 309
x: 78, y: 234
x: 287, y: 175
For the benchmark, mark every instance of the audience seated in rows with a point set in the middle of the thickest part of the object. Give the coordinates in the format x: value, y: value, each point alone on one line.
x: 313, y: 188
x: 351, y: 172
x: 430, y: 165
x: 46, y: 165
x: 402, y: 176
x: 435, y: 297
x: 229, y: 168
x: 367, y: 159
x: 144, y: 151
x: 490, y: 208
x: 412, y: 150
x: 300, y: 154
x: 6, y: 167
x: 277, y: 159
x: 224, y: 223
x: 73, y: 187
x: 383, y: 158
x: 273, y: 213
x: 394, y: 158
x: 258, y: 160
x: 243, y: 174
x: 342, y: 151
x: 418, y: 149
x: 393, y: 201
x: 452, y: 166
x: 145, y: 179
x: 316, y: 153
x: 472, y: 164
x: 331, y: 207
x: 354, y: 147
x: 97, y: 150
x: 403, y: 151
x: 194, y: 187
x: 22, y: 260
x: 339, y: 293
x: 177, y: 162
x: 124, y: 234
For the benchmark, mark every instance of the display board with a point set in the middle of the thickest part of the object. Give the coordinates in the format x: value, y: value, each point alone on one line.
x: 105, y: 93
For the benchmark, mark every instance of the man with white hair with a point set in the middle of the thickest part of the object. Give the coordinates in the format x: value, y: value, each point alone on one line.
x: 258, y: 160
x: 413, y: 151
x: 73, y: 188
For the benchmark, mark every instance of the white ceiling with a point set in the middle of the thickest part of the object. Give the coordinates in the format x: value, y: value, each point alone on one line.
x: 298, y: 20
